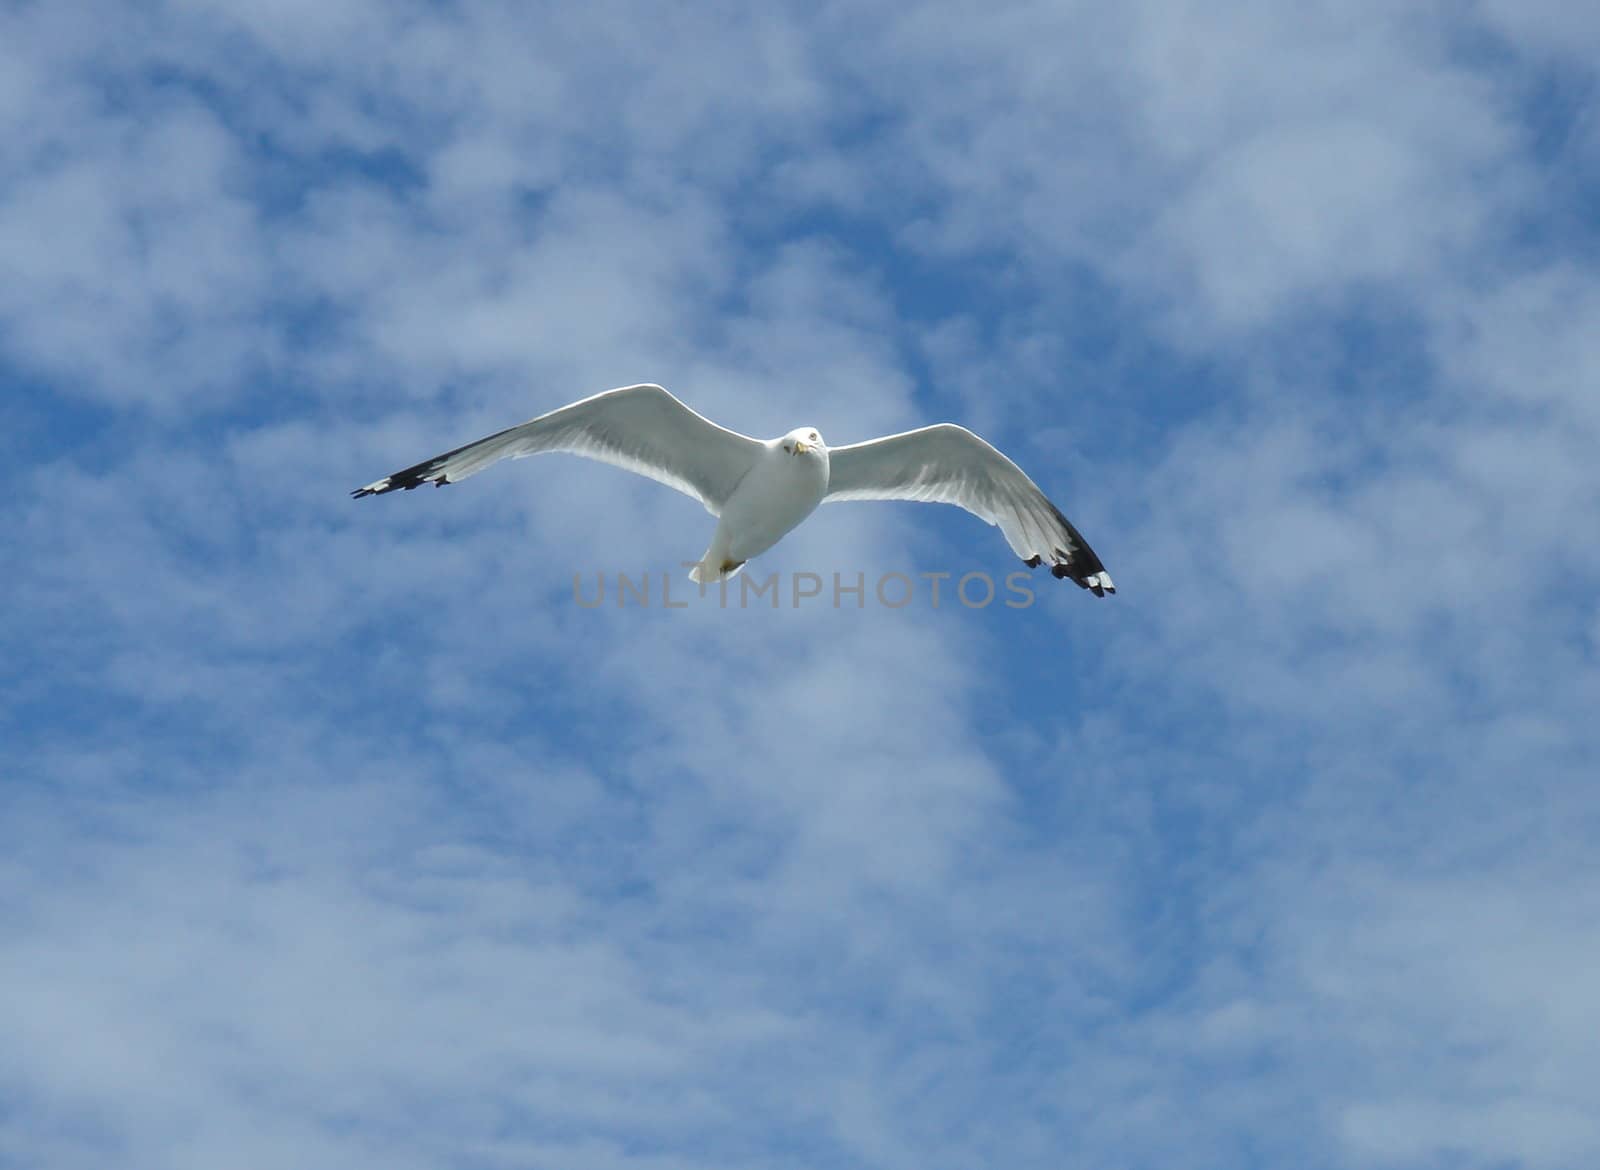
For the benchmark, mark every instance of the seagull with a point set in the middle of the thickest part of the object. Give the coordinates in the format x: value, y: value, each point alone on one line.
x: 760, y: 490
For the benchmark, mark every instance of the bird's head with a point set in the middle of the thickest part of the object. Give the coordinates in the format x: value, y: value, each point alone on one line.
x: 803, y: 440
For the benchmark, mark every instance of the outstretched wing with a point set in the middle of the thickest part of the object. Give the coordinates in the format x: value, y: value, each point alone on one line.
x: 641, y: 428
x: 947, y: 464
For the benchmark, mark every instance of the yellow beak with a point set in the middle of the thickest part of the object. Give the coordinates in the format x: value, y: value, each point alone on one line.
x: 800, y: 448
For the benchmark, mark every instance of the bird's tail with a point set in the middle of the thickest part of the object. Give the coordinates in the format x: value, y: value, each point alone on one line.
x: 713, y: 569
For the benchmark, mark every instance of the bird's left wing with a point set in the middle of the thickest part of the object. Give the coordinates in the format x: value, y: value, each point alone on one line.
x: 947, y: 464
x: 641, y: 428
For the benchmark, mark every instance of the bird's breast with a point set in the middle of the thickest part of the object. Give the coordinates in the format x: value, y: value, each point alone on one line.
x: 778, y: 493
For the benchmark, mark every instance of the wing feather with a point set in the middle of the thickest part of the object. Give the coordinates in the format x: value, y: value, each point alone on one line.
x: 641, y: 428
x: 948, y: 464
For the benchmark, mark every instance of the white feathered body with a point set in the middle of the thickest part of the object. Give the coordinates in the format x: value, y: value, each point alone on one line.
x: 780, y: 490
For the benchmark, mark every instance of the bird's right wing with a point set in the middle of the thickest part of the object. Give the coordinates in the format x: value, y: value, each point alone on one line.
x: 641, y: 428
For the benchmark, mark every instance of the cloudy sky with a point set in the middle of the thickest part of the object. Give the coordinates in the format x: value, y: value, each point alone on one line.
x: 335, y: 834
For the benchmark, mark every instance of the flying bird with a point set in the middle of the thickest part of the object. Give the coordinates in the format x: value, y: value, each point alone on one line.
x: 761, y: 490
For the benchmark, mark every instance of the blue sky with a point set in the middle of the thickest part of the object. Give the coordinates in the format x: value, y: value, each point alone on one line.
x: 335, y: 834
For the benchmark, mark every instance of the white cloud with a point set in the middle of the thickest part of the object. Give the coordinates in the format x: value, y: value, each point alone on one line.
x: 336, y: 833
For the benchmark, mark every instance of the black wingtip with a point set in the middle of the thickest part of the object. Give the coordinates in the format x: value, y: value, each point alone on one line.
x: 1091, y: 581
x: 402, y: 481
x: 1078, y: 565
x: 414, y: 477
